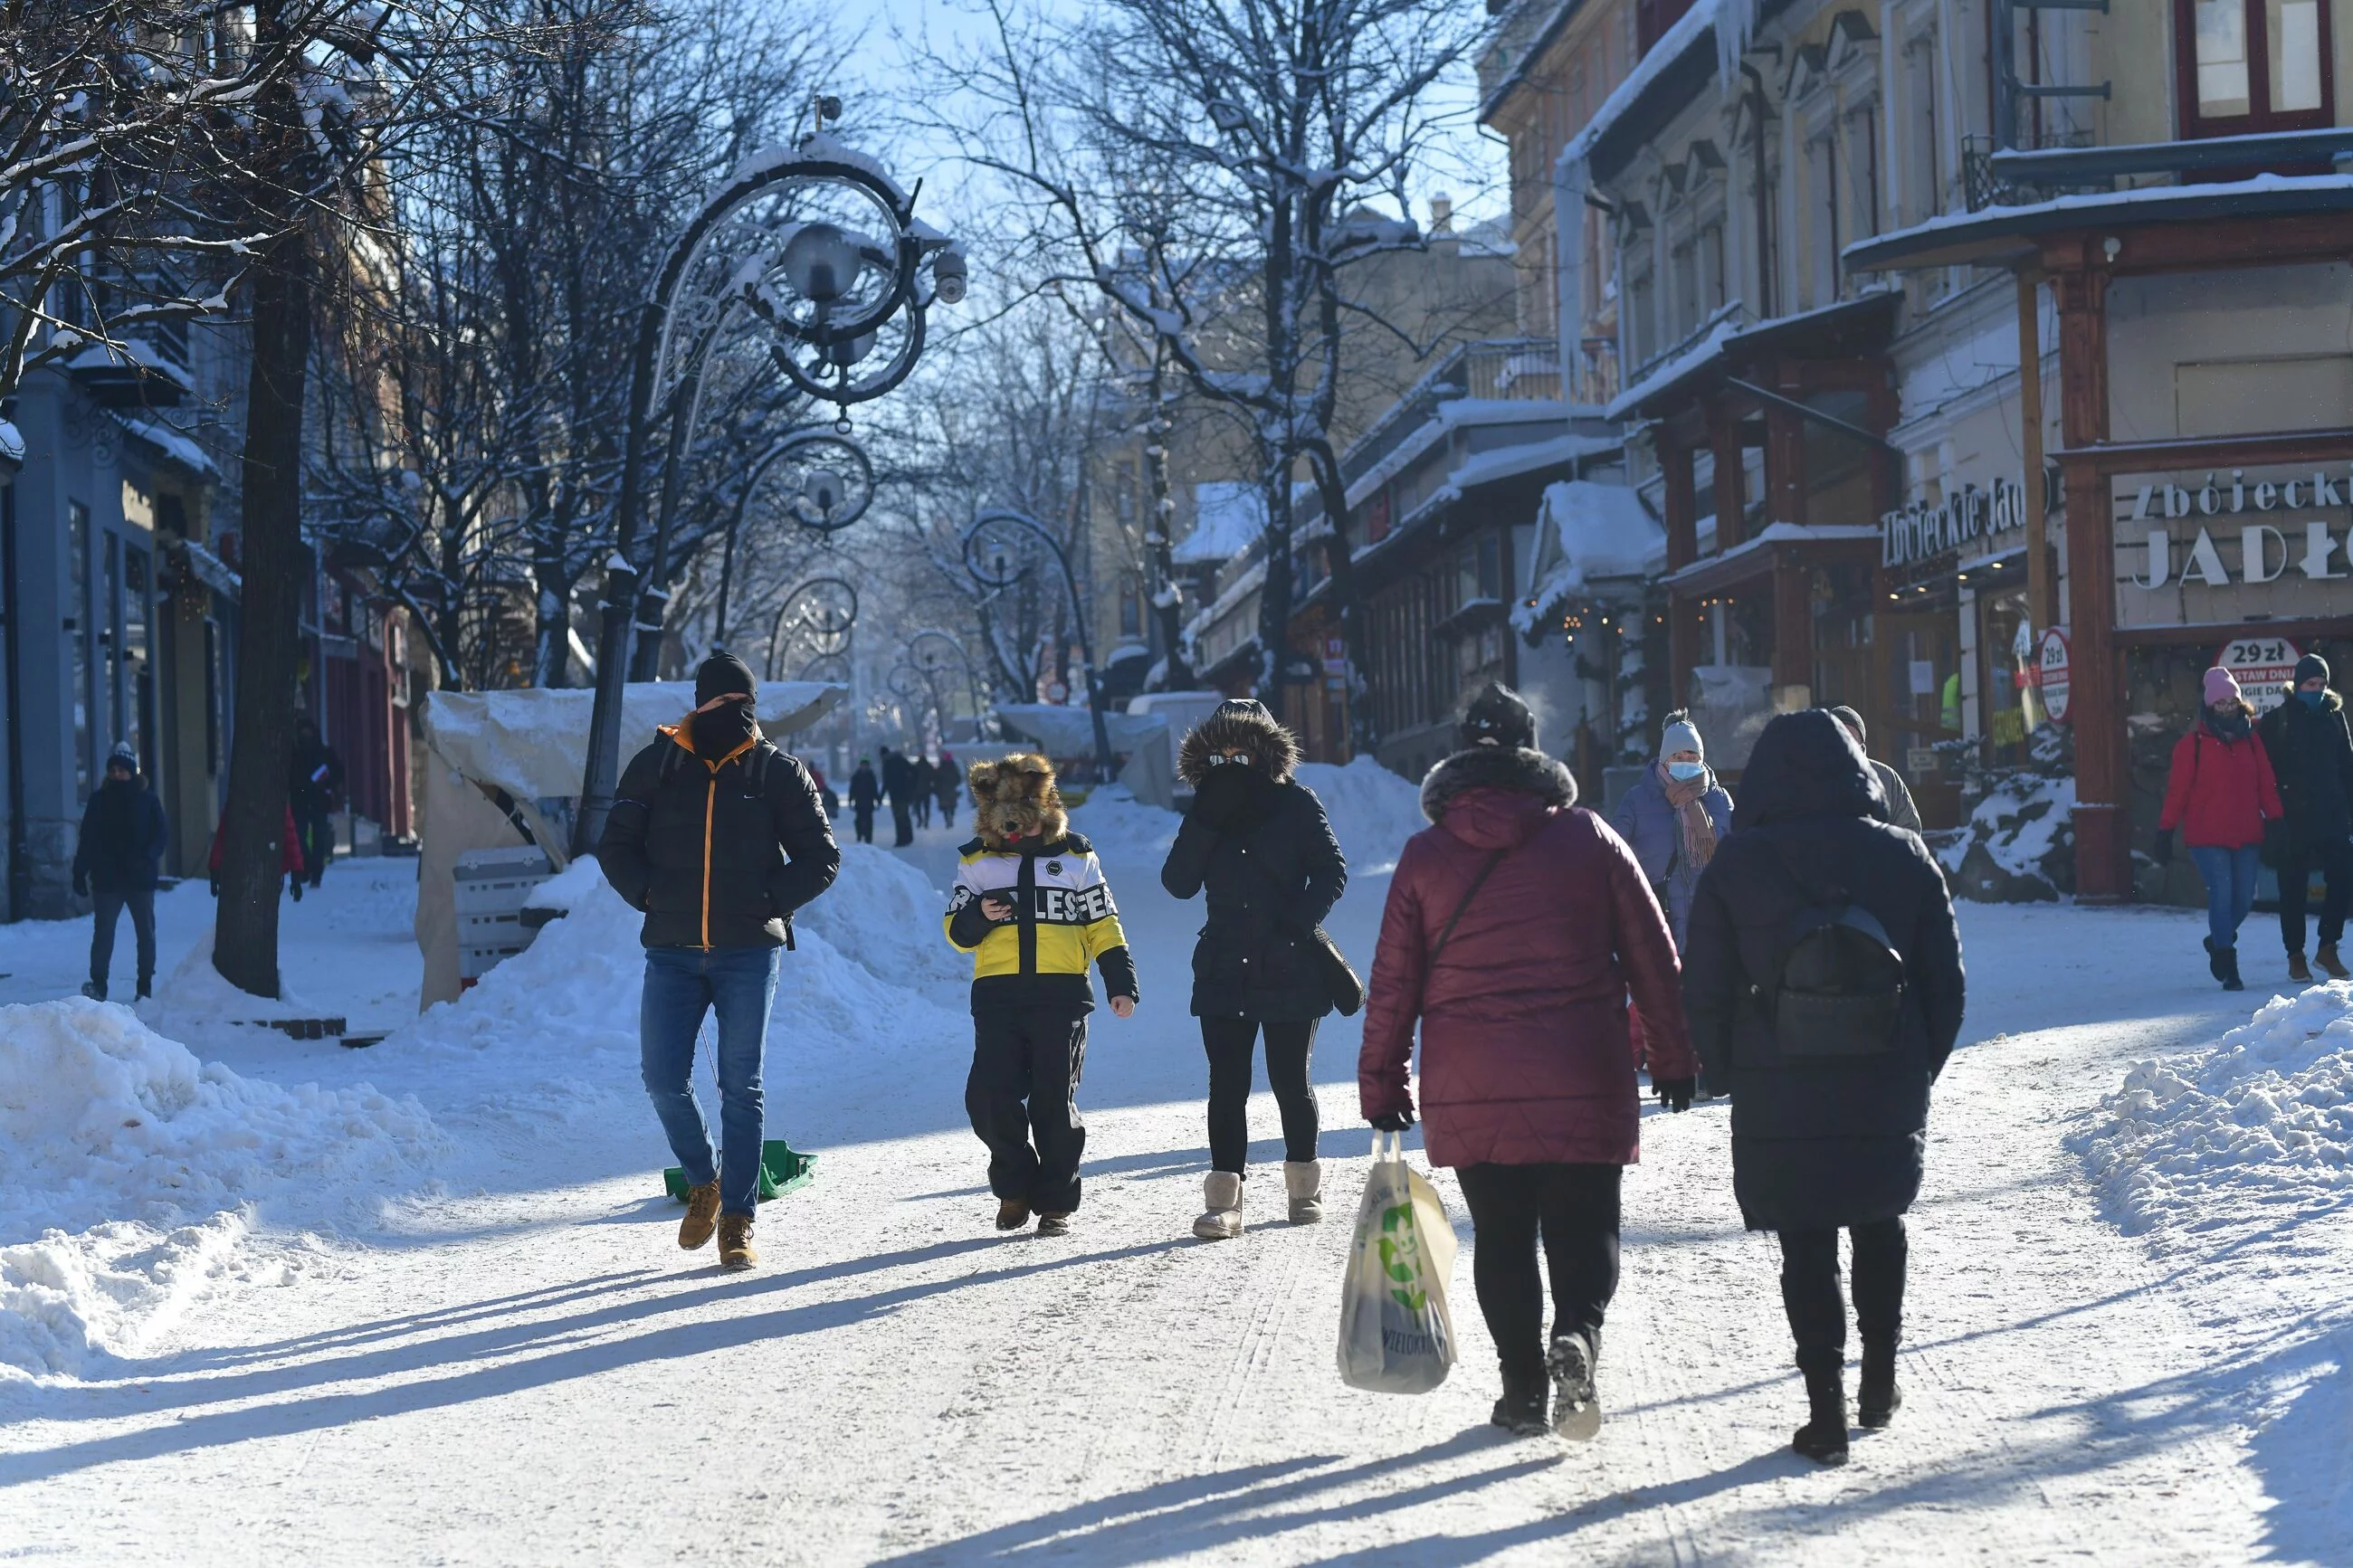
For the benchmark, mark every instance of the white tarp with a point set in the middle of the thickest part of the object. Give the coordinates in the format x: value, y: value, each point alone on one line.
x: 534, y: 745
x: 1069, y: 731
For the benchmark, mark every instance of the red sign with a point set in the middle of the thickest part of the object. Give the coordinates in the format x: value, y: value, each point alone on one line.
x: 2262, y: 667
x: 2053, y: 673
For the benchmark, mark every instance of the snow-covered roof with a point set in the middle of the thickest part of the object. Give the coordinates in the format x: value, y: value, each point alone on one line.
x: 1586, y: 533
x: 1725, y: 335
x: 1671, y: 369
x: 1228, y: 516
x: 1067, y: 729
x: 1780, y: 533
x: 171, y: 442
x: 1669, y: 48
x: 12, y: 443
x: 1529, y: 457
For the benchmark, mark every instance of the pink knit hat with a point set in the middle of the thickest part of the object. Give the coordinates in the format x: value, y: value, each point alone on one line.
x: 2222, y: 686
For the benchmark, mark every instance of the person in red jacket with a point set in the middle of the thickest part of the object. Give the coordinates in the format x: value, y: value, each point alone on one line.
x: 2220, y: 794
x: 1515, y: 927
x: 290, y: 858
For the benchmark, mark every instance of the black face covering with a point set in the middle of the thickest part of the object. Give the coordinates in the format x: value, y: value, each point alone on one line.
x: 1233, y: 794
x: 722, y: 730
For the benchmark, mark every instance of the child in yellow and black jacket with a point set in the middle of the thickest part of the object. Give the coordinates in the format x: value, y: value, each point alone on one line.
x: 1032, y: 908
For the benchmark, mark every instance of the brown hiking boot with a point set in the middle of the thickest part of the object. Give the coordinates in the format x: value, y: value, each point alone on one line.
x: 1053, y: 1224
x: 735, y: 1250
x: 702, y: 1214
x: 2297, y: 970
x: 1012, y: 1214
x: 2329, y: 962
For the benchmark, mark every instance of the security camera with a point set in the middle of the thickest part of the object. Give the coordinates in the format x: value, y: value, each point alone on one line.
x: 948, y: 276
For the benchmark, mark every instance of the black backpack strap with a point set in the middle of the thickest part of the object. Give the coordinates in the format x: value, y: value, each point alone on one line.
x: 1469, y: 893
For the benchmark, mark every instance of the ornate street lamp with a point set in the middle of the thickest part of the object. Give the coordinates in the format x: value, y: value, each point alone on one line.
x: 1000, y: 549
x: 823, y: 481
x: 820, y: 613
x: 928, y: 650
x: 823, y: 246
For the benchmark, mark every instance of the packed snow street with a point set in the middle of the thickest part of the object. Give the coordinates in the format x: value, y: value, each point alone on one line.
x: 1239, y: 781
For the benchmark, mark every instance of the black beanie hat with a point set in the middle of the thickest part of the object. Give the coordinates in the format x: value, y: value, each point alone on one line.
x: 720, y: 674
x: 2310, y: 665
x: 1497, y: 717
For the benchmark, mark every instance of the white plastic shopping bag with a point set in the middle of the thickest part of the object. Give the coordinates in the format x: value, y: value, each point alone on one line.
x: 1395, y: 1335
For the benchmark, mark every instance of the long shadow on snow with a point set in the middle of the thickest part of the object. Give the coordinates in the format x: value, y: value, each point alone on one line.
x: 1209, y: 1514
x: 565, y: 1356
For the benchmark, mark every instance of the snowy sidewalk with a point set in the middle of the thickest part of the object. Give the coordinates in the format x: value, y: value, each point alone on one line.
x: 525, y: 1370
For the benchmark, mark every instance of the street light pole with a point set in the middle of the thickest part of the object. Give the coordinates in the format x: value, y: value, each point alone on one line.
x: 1024, y: 521
x: 836, y: 509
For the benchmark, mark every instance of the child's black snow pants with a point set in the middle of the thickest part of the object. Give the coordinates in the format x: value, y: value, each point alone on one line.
x: 1033, y: 1054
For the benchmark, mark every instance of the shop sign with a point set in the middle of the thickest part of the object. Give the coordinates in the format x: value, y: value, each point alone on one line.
x: 2262, y: 667
x: 2054, y: 675
x: 1922, y: 532
x: 2233, y: 544
x: 1921, y: 760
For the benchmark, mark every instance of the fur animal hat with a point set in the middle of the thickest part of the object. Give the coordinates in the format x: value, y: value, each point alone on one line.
x: 1015, y: 803
x: 1241, y: 724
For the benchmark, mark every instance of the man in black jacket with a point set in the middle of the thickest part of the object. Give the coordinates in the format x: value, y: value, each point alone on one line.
x: 718, y: 838
x: 865, y: 794
x: 314, y: 783
x: 2311, y: 752
x: 899, y: 783
x: 123, y: 836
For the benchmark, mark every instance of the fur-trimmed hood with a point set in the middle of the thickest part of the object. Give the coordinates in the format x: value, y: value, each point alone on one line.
x: 1016, y: 802
x: 1249, y: 726
x: 1517, y: 768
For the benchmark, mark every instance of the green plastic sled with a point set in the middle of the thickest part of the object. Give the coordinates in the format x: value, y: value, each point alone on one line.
x: 782, y: 1171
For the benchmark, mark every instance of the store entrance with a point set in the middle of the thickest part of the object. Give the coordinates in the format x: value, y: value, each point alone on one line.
x: 1921, y: 649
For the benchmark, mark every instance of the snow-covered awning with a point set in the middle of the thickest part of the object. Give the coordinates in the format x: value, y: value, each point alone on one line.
x: 1843, y: 327
x: 173, y: 444
x: 1229, y: 517
x: 207, y: 568
x: 1586, y: 534
x: 2000, y: 236
x: 1070, y: 730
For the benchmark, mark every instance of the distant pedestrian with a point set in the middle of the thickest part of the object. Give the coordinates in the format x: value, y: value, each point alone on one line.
x: 1672, y: 819
x: 314, y: 788
x: 1824, y: 986
x: 116, y: 860
x: 947, y: 784
x: 865, y: 794
x: 923, y: 782
x: 2220, y: 793
x: 1032, y: 908
x: 290, y: 858
x: 1901, y: 810
x: 1260, y: 844
x: 899, y: 783
x: 1515, y: 928
x: 2311, y: 753
x: 717, y: 837
x: 826, y: 797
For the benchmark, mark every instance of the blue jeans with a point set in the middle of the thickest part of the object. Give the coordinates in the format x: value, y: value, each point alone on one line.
x: 681, y: 985
x: 2229, y: 877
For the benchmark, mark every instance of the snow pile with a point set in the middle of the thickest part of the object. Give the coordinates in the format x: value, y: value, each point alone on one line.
x: 2260, y: 1125
x: 113, y: 1132
x: 883, y: 915
x: 1588, y: 532
x: 194, y: 1003
x: 1131, y: 836
x: 2017, y: 846
x: 567, y: 887
x: 1372, y: 810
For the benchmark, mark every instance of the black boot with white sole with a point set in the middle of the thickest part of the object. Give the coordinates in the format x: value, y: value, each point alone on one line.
x: 1575, y: 1408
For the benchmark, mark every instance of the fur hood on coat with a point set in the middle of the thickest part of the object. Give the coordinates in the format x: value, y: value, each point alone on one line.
x: 1517, y: 768
x: 1239, y: 724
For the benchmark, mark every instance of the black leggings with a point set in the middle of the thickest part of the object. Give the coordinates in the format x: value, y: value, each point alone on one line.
x: 1809, y: 1291
x: 1575, y: 1210
x: 1288, y: 1048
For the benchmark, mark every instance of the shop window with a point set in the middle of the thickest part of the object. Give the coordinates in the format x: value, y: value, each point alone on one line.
x: 2005, y: 643
x: 2253, y: 65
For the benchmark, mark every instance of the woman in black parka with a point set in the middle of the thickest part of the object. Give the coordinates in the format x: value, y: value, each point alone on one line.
x: 1260, y: 844
x: 1824, y: 1143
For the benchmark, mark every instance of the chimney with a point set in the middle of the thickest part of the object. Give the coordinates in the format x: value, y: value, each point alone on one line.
x: 1442, y: 214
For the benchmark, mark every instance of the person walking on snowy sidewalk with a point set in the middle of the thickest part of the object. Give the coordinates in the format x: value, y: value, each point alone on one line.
x: 123, y: 837
x: 2220, y: 794
x: 865, y: 795
x: 1902, y: 810
x: 717, y: 837
x: 947, y: 782
x: 1672, y: 817
x: 899, y: 783
x: 1517, y: 925
x: 1261, y: 845
x: 1031, y: 907
x: 2311, y: 753
x: 1829, y: 1119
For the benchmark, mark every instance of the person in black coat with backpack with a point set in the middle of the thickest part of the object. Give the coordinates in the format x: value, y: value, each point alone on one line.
x: 123, y: 837
x: 1823, y: 985
x: 2311, y: 749
x: 1260, y: 844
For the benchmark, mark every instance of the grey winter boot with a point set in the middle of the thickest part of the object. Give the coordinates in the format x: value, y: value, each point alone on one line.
x: 1575, y: 1407
x: 1222, y: 1195
x: 1303, y: 1180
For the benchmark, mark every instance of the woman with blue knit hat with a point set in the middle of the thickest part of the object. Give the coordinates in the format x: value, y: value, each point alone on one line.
x: 2311, y: 753
x: 1673, y: 817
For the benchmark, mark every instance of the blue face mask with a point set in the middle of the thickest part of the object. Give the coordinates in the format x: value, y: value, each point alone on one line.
x: 1686, y: 770
x: 2312, y: 698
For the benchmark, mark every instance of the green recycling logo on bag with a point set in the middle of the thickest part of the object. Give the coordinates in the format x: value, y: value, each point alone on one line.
x: 1395, y: 1335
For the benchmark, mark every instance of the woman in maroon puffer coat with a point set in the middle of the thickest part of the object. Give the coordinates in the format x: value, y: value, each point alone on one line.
x: 1515, y: 928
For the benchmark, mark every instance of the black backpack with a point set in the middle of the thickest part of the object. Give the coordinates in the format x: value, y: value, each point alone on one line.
x: 1839, y: 996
